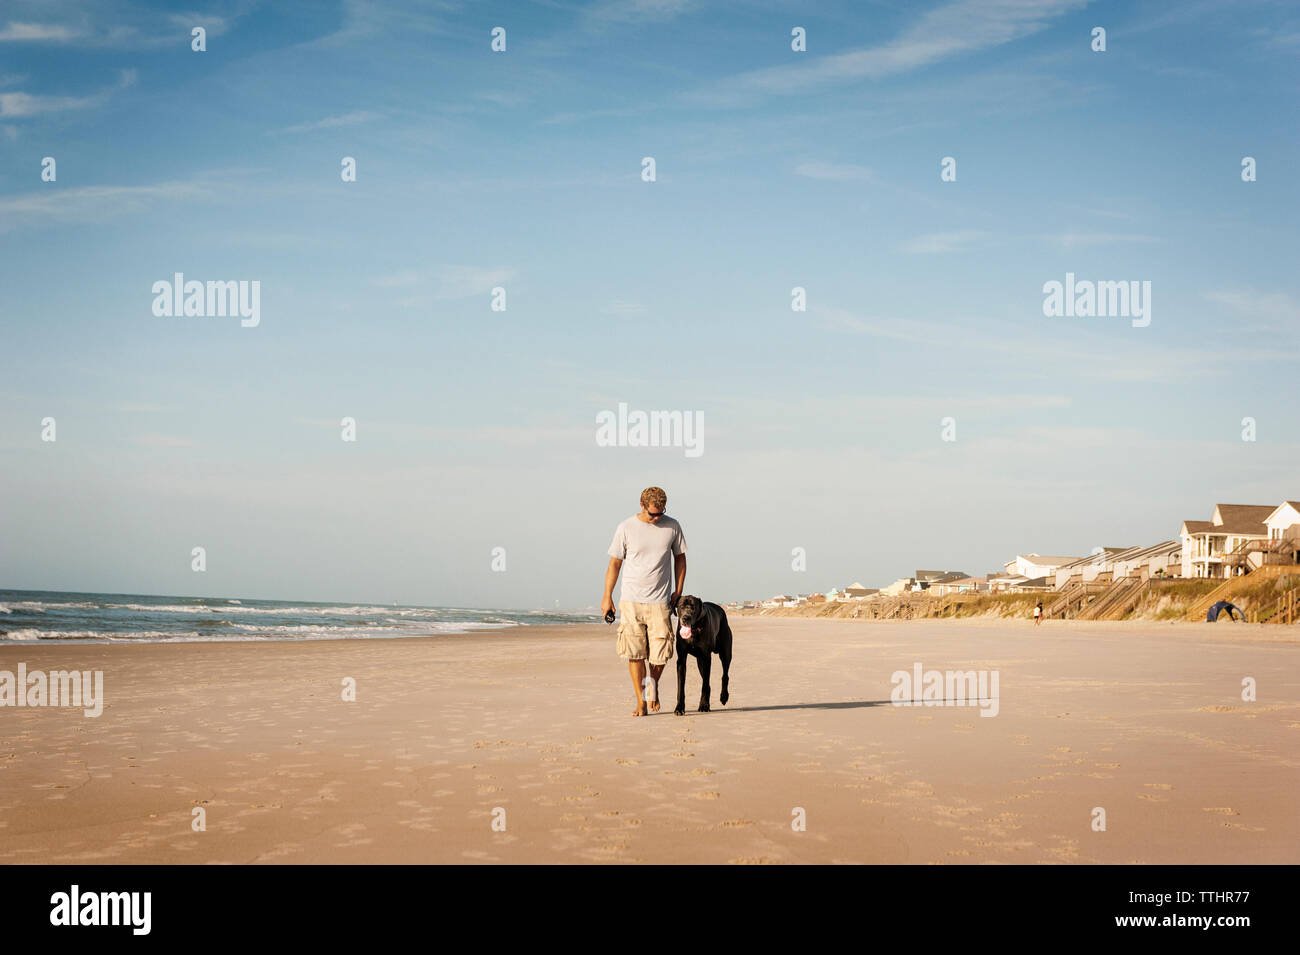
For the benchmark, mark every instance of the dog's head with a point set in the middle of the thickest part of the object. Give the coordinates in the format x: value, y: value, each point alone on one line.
x: 689, y: 611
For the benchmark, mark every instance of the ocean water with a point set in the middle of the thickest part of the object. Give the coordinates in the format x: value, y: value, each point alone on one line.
x: 31, y: 615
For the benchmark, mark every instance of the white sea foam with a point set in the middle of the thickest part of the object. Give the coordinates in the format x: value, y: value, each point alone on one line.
x: 40, y: 606
x: 357, y: 611
x: 248, y: 632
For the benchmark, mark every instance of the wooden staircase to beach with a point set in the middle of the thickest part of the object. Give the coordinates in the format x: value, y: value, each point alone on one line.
x: 1073, y: 598
x: 1117, y: 599
x: 1234, y: 585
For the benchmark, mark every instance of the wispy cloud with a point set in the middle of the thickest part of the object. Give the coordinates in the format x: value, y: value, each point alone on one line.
x: 164, y: 441
x: 22, y: 105
x: 329, y: 122
x: 963, y: 26
x: 212, y: 26
x: 91, y: 203
x: 938, y: 242
x: 622, y: 308
x: 29, y: 32
x: 446, y: 282
x: 1142, y: 358
x: 1267, y: 311
x: 561, y: 119
x: 1073, y: 240
x: 606, y: 13
x: 834, y: 172
x: 115, y: 25
x: 462, y: 281
x: 962, y: 239
x: 364, y: 20
x: 508, y: 99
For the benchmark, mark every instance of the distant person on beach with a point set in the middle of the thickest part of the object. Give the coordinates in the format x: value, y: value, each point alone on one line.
x: 1038, y: 614
x: 654, y: 549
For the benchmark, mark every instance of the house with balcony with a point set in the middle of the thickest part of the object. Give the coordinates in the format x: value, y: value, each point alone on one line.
x: 1207, y: 545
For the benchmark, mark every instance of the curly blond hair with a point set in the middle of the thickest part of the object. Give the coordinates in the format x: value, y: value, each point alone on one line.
x: 655, y: 496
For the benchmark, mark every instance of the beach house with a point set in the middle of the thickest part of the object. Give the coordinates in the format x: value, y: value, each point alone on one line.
x: 1284, y: 521
x: 1159, y: 560
x: 926, y: 579
x: 960, y: 585
x: 1206, y: 545
x: 1031, y: 566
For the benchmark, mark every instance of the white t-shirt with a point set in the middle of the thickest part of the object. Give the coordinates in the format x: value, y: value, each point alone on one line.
x: 647, y: 552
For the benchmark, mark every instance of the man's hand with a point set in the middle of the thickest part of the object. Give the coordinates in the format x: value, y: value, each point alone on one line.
x: 606, y: 606
x: 672, y: 602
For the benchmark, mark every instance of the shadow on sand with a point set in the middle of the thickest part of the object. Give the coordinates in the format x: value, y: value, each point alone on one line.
x: 849, y: 705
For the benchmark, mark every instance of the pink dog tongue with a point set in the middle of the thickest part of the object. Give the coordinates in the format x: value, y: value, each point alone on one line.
x: 686, y: 633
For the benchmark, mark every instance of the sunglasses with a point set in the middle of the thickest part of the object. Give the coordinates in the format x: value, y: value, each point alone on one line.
x: 652, y: 515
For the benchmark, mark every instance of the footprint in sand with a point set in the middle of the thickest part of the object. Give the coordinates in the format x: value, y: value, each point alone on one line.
x: 628, y: 762
x: 1159, y: 786
x: 735, y: 823
x: 684, y: 755
x: 707, y: 796
x: 1222, y: 809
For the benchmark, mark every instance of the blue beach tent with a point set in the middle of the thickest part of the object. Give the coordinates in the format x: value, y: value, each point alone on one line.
x: 1222, y: 605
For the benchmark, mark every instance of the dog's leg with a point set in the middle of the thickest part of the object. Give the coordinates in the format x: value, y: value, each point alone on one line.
x: 705, y: 661
x: 681, y: 679
x: 724, y: 654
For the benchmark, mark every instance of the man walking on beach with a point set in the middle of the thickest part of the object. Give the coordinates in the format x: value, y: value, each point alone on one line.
x: 654, y: 549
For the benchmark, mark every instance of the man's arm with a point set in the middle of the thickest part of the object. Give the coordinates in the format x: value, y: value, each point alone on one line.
x: 679, y: 569
x: 611, y: 578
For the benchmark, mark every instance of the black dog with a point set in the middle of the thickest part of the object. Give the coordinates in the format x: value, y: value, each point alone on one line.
x: 702, y: 630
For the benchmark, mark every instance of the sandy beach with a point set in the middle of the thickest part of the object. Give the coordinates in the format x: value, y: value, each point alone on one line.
x: 1143, y: 720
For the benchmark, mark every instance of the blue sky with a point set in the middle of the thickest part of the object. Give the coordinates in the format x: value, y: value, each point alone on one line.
x: 522, y: 169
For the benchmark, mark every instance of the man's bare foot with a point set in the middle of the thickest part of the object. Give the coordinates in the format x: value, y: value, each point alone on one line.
x: 640, y: 709
x: 652, y: 694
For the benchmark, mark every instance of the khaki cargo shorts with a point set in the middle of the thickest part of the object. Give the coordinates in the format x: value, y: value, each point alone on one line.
x: 645, y: 632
